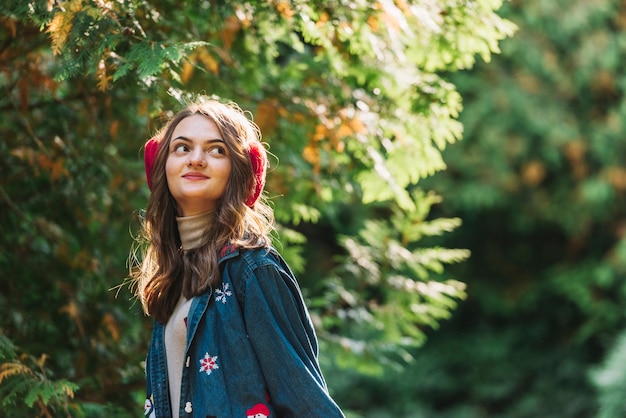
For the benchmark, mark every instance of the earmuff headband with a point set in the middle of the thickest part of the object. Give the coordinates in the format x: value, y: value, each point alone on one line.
x: 256, y: 152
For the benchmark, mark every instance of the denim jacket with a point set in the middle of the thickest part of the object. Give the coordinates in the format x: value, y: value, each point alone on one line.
x: 251, y: 348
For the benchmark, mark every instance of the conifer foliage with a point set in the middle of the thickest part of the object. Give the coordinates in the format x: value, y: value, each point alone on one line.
x: 539, y: 182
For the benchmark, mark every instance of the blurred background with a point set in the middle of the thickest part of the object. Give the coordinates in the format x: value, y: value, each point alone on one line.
x: 448, y: 179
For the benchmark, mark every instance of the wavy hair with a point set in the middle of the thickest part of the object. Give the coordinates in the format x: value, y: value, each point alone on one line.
x: 165, y: 272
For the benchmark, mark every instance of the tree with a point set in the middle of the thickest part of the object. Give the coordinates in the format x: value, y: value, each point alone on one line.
x: 354, y: 102
x: 539, y: 183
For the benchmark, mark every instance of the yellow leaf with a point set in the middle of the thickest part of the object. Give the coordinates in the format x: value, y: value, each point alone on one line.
x: 60, y: 26
x: 59, y: 29
x: 208, y: 61
x: 24, y: 154
x: 617, y: 177
x: 102, y: 76
x: 322, y: 20
x: 68, y: 391
x: 41, y: 360
x: 533, y: 172
x: 72, y: 310
x: 73, y: 6
x: 11, y: 369
x: 373, y: 23
x: 187, y: 72
x: 284, y: 9
x: 114, y: 129
x: 231, y: 27
x: 357, y: 125
x: 321, y: 132
x: 344, y: 130
x: 311, y: 155
x: 55, y: 167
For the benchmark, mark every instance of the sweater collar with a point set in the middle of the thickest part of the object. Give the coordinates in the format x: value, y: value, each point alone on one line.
x: 192, y: 229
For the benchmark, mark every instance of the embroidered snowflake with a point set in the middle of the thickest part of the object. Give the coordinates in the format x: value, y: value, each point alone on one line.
x: 223, y: 293
x: 208, y: 364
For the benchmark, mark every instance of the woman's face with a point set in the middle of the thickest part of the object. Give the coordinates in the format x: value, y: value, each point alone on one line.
x: 198, y: 165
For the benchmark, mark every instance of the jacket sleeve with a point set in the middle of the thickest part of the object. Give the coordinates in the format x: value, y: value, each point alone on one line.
x: 282, y: 336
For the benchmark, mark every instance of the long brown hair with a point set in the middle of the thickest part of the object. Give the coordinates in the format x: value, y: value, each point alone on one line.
x: 166, y: 272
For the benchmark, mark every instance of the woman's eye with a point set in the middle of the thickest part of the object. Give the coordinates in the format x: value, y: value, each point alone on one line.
x: 181, y: 148
x: 217, y: 150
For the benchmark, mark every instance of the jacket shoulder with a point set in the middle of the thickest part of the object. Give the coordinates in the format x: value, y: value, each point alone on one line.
x: 246, y: 265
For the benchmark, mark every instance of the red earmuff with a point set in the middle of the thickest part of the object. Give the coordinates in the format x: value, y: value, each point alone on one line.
x: 258, y: 158
x: 149, y: 157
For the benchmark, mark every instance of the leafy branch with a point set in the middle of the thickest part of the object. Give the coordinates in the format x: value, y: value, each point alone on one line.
x: 24, y: 380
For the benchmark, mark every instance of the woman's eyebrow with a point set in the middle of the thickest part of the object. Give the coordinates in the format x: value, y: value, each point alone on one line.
x: 208, y: 141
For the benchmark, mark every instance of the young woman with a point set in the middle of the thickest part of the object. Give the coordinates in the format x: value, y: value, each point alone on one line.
x: 232, y: 336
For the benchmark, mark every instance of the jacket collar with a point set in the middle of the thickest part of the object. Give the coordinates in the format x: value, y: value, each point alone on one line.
x: 228, y: 251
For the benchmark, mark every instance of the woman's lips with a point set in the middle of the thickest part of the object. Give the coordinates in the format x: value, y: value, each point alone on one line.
x: 195, y: 176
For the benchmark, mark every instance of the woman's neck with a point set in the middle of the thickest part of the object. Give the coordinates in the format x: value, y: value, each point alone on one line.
x: 192, y: 229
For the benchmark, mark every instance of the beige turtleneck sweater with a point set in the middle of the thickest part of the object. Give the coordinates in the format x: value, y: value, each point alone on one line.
x: 192, y: 231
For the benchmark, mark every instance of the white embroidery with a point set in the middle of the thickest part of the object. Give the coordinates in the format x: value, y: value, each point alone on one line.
x: 223, y: 293
x: 208, y: 364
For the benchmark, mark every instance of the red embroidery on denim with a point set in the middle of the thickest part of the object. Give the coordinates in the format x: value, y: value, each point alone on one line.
x: 208, y: 364
x: 258, y: 411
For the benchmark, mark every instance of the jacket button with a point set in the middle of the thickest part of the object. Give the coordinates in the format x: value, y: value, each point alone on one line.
x: 188, y: 408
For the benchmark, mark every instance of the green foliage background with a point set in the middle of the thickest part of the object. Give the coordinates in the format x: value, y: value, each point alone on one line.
x: 360, y: 104
x: 539, y: 183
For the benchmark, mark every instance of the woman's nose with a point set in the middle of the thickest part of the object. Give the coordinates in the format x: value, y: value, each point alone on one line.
x: 197, y: 157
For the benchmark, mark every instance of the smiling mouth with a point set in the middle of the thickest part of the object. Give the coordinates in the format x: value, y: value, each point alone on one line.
x: 194, y: 176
